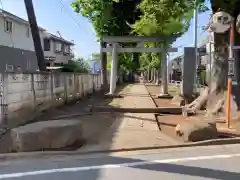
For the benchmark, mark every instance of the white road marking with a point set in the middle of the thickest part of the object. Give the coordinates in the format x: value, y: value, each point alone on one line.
x: 108, y: 166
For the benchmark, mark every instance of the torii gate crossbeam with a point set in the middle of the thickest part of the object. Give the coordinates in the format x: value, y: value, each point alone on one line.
x: 115, y: 49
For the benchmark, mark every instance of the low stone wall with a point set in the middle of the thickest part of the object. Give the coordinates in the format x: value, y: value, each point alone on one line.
x: 24, y: 96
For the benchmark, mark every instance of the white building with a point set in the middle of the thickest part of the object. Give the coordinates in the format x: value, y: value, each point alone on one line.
x: 17, y: 49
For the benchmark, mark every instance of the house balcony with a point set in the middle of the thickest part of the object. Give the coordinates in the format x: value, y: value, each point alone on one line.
x: 70, y: 54
x: 50, y: 58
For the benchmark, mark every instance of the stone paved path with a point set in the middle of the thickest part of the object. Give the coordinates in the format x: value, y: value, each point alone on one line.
x: 132, y: 130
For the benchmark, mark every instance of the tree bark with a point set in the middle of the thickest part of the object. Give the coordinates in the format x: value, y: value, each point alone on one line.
x: 213, y: 97
x: 104, y: 68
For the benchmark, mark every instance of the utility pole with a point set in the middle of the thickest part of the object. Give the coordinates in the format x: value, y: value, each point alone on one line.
x: 35, y: 34
x: 195, y: 44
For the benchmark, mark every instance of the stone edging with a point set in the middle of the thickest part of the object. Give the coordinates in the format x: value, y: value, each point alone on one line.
x: 22, y: 155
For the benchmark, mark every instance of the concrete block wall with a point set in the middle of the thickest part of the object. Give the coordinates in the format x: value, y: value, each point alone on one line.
x: 23, y: 96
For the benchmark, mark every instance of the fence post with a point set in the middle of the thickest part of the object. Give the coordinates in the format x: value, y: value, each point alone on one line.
x: 79, y: 86
x: 82, y: 85
x: 34, y: 93
x: 75, y: 86
x: 4, y: 99
x: 65, y: 88
x: 93, y: 79
x: 51, y: 86
x: 96, y: 82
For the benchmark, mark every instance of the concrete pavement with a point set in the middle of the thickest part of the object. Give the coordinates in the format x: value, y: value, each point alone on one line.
x: 196, y: 163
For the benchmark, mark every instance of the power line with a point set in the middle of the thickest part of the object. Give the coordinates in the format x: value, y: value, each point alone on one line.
x: 74, y: 19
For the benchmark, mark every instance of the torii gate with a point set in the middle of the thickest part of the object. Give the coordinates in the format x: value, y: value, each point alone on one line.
x: 115, y: 49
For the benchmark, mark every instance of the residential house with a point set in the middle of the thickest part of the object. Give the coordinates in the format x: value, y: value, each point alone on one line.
x: 16, y: 44
x: 175, y: 68
x: 175, y: 65
x: 17, y: 48
x: 57, y: 51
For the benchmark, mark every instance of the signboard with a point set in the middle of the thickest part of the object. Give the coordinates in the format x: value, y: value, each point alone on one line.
x: 220, y: 22
x: 238, y: 24
x: 231, y: 68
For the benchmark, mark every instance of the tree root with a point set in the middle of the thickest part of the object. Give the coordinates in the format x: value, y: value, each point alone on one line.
x: 216, y: 109
x: 198, y: 103
x: 214, y: 100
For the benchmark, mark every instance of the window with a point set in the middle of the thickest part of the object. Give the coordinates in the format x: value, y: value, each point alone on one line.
x: 28, y: 31
x: 46, y: 45
x: 66, y: 48
x: 8, y: 26
x: 9, y: 68
x: 58, y: 47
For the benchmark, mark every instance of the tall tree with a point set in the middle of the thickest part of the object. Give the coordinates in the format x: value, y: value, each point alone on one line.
x: 108, y: 17
x: 79, y: 65
x: 214, y: 96
x: 164, y: 18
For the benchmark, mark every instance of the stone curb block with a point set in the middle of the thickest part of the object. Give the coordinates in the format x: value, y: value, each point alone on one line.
x: 13, y: 156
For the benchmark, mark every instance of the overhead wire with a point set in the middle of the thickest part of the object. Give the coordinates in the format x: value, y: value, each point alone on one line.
x: 74, y: 19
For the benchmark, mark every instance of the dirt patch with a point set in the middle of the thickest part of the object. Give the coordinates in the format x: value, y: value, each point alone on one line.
x: 168, y: 122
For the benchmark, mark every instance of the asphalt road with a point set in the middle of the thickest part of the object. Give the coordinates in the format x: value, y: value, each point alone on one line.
x: 216, y: 162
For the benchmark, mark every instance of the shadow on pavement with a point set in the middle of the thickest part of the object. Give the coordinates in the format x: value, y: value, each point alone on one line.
x: 192, y: 171
x: 93, y: 125
x: 167, y: 168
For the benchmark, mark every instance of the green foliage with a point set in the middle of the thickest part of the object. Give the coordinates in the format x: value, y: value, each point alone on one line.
x: 139, y: 17
x: 77, y: 66
x: 108, y: 16
x: 169, y: 18
x: 125, y: 63
x: 111, y: 17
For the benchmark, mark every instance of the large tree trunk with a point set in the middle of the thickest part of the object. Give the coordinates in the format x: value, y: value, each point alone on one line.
x: 152, y: 75
x: 156, y: 77
x: 104, y: 77
x: 148, y: 75
x: 213, y: 97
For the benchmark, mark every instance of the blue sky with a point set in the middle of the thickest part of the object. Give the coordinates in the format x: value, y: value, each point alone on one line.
x: 56, y: 16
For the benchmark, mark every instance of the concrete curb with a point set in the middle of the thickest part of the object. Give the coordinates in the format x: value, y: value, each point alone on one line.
x: 22, y: 155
